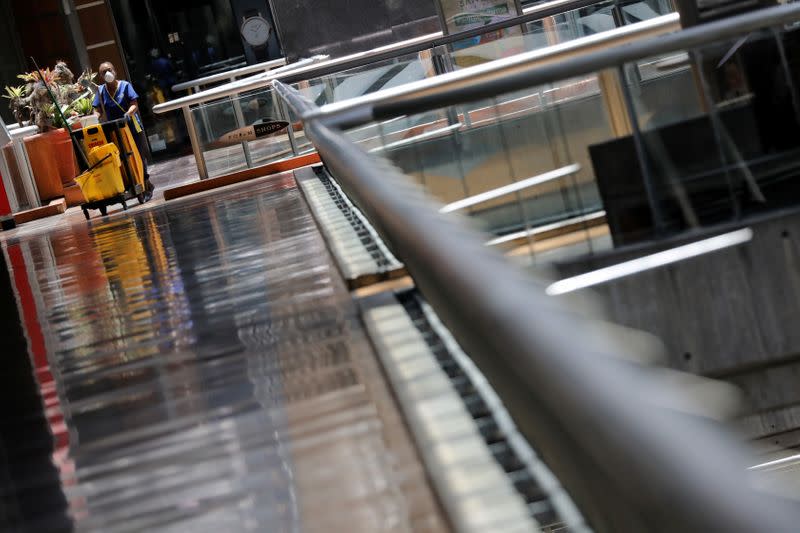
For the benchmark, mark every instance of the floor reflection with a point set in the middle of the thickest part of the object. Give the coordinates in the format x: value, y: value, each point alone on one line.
x: 206, y: 369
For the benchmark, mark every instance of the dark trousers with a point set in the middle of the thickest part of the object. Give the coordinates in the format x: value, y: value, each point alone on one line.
x: 141, y: 144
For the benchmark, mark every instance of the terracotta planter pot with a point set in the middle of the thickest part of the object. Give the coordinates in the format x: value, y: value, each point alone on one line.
x: 45, y: 167
x: 61, y: 145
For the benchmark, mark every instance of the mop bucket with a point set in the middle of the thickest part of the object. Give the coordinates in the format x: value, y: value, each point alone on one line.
x: 103, y: 180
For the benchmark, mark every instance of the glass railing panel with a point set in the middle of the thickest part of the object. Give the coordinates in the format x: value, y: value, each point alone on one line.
x: 366, y: 79
x: 640, y: 10
x: 380, y: 75
x: 518, y: 165
x: 529, y: 36
x: 242, y: 132
x: 719, y: 143
x: 572, y: 24
x: 565, y: 169
x: 313, y: 88
x: 212, y: 121
x: 271, y: 146
x: 302, y: 145
x: 664, y: 90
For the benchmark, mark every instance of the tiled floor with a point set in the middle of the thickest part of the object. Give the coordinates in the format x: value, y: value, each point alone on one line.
x: 205, y: 369
x: 164, y: 175
x: 172, y: 172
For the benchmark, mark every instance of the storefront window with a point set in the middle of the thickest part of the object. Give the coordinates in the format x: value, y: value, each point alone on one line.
x: 170, y: 42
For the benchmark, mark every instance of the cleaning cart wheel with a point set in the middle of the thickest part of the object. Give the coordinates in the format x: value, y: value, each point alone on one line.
x: 103, y: 210
x: 140, y: 198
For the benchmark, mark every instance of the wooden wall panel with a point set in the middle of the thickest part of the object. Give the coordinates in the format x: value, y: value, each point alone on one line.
x: 43, y: 32
x: 45, y: 35
x: 93, y: 17
x: 100, y: 34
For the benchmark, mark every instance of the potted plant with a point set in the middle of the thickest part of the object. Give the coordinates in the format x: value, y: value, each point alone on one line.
x: 17, y: 104
x: 51, y: 152
x: 82, y: 114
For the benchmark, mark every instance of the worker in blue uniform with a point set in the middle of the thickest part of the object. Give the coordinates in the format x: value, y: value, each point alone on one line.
x: 117, y: 99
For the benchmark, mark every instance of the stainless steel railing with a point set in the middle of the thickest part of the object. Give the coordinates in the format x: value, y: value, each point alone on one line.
x: 319, y: 66
x: 230, y: 75
x: 437, y: 39
x: 250, y: 83
x: 608, y: 51
x: 574, y: 58
x: 228, y: 90
x: 611, y: 429
x: 309, y: 69
x: 496, y: 77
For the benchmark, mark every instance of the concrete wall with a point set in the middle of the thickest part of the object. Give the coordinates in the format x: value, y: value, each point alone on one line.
x: 731, y: 314
x: 309, y: 27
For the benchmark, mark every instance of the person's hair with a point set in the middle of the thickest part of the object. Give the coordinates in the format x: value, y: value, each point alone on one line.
x: 108, y: 64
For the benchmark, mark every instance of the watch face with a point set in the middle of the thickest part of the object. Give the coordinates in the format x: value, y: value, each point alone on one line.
x: 256, y: 31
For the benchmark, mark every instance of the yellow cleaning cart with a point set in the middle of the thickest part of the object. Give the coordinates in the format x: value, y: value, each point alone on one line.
x: 115, y: 164
x: 102, y: 183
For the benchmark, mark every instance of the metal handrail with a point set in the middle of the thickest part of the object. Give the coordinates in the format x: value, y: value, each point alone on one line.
x: 229, y: 75
x: 492, y: 78
x: 251, y: 83
x: 302, y: 72
x: 563, y: 61
x: 318, y: 65
x: 437, y: 39
x: 484, y: 80
x: 616, y: 433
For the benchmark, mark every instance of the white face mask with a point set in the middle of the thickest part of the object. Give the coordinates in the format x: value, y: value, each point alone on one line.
x: 110, y: 77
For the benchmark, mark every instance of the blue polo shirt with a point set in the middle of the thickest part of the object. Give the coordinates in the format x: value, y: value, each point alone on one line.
x: 117, y: 106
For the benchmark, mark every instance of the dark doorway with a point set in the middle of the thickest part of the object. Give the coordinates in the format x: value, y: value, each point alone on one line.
x: 170, y: 42
x: 11, y: 58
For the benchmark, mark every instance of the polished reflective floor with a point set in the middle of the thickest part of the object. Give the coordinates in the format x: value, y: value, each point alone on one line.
x: 204, y: 368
